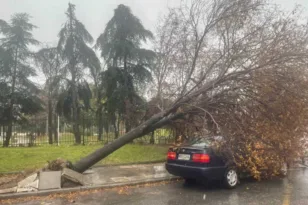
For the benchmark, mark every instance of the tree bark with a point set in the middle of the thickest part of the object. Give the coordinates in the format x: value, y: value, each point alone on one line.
x: 152, y: 140
x: 9, y: 128
x: 75, y: 110
x: 156, y: 121
x: 2, y: 131
x: 116, y: 129
x: 74, y: 87
x: 55, y: 128
x: 153, y: 123
x: 50, y: 124
x: 11, y: 104
x: 100, y: 123
x: 127, y: 125
x: 100, y: 127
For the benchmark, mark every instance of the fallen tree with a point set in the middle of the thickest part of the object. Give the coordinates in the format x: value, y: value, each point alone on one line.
x: 220, y: 51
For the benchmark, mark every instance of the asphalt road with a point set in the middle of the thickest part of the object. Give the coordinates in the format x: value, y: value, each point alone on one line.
x: 290, y: 190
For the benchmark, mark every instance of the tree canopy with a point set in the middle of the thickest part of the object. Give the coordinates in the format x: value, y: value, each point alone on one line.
x: 128, y: 63
x: 73, y: 46
x: 20, y: 91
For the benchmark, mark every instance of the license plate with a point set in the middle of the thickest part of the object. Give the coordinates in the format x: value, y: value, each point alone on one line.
x: 184, y: 157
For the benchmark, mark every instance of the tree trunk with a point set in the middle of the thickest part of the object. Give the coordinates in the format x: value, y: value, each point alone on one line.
x: 116, y: 130
x: 152, y: 140
x: 127, y: 126
x: 11, y: 104
x: 55, y: 128
x: 3, y: 133
x: 75, y: 110
x: 100, y: 123
x: 156, y: 121
x: 3, y: 130
x: 73, y: 71
x: 107, y: 131
x: 9, y: 129
x: 153, y: 123
x: 50, y: 124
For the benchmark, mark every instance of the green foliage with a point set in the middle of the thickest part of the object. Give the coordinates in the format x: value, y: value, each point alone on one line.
x: 120, y: 44
x: 128, y: 63
x: 123, y: 34
x: 73, y: 40
x: 65, y: 100
x: 17, y: 93
x: 6, y: 61
x: 17, y: 34
x: 73, y: 47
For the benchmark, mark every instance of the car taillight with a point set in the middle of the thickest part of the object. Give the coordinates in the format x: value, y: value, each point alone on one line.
x: 171, y: 155
x: 201, y: 158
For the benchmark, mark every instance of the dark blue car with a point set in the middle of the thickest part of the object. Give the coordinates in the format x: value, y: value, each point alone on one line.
x: 197, y: 161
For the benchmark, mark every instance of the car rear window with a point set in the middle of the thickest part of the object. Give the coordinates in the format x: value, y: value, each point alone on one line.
x: 201, y: 142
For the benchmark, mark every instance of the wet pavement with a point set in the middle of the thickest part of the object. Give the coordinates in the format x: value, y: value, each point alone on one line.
x: 290, y: 190
x: 126, y: 173
x: 106, y: 176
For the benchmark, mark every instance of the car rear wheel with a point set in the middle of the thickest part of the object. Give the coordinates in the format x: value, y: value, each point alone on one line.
x: 190, y: 181
x: 230, y: 178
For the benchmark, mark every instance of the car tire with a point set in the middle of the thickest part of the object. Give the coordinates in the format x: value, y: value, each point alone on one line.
x: 190, y: 181
x: 230, y: 178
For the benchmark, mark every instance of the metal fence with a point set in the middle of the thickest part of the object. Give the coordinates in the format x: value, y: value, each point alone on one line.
x: 35, y: 133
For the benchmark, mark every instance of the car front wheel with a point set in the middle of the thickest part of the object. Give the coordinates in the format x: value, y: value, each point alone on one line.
x: 230, y: 178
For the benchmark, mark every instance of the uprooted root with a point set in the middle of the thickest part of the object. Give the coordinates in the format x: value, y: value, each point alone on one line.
x: 58, y: 165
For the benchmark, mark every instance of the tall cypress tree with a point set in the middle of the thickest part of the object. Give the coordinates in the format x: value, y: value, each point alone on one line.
x: 17, y: 38
x: 73, y: 46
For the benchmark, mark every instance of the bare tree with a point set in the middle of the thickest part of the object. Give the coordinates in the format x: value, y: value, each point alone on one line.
x: 218, y: 48
x: 49, y: 61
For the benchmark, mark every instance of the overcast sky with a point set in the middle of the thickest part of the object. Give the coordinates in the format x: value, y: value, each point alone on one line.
x: 48, y: 15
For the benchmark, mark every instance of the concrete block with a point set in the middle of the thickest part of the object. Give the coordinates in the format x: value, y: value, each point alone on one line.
x: 73, y: 176
x: 33, y: 186
x: 27, y: 180
x: 50, y: 180
x: 23, y: 189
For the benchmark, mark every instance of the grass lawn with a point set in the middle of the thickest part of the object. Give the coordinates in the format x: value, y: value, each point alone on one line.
x: 23, y: 158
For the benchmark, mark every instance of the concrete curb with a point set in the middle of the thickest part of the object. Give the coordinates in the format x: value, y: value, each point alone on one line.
x: 83, y: 188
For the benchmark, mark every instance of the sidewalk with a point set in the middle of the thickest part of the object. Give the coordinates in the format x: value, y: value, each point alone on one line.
x: 126, y: 173
x: 110, y: 176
